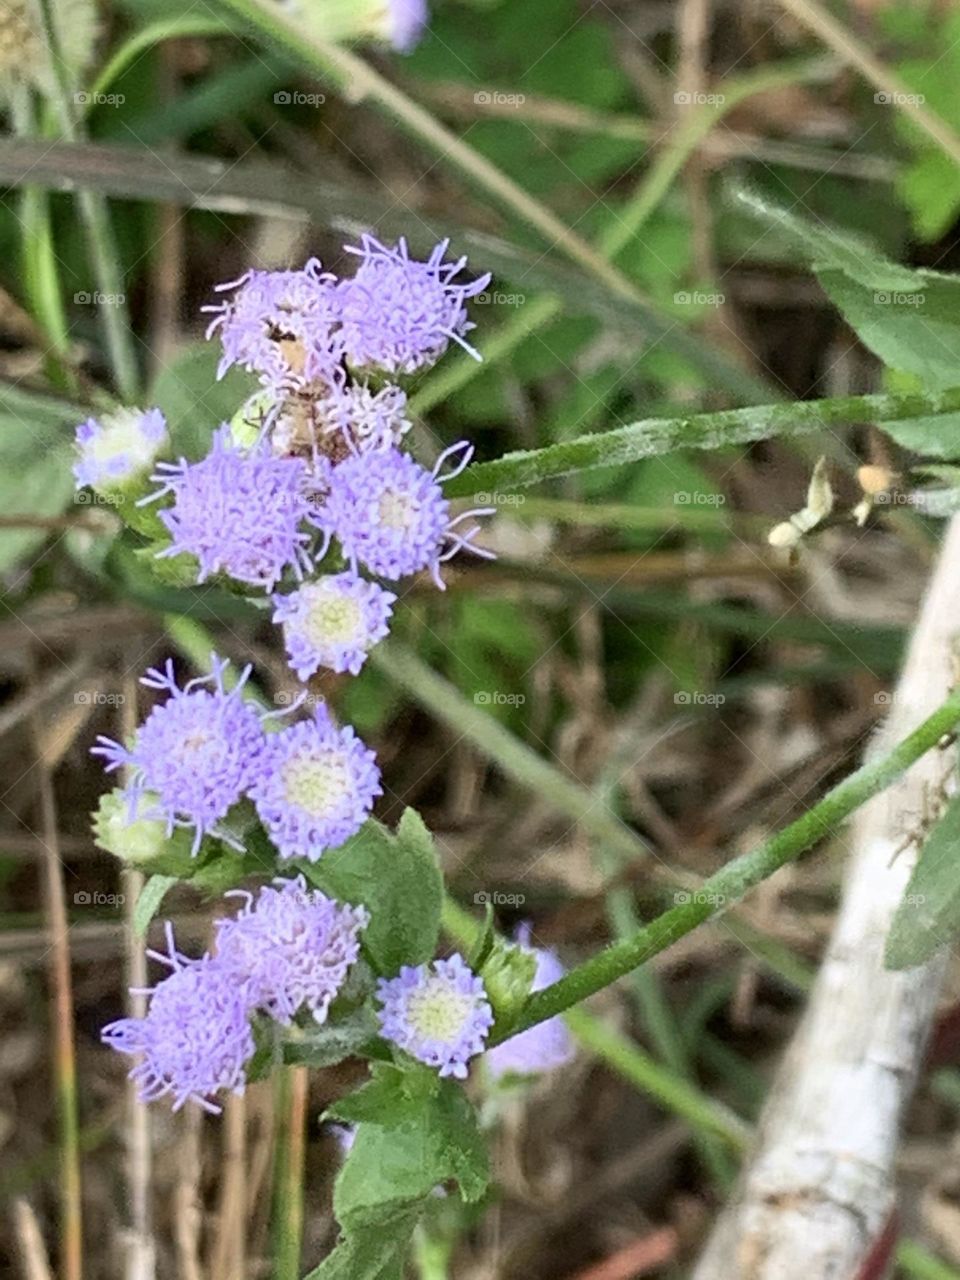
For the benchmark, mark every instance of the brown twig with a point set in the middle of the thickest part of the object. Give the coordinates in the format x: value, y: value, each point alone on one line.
x: 71, y: 1259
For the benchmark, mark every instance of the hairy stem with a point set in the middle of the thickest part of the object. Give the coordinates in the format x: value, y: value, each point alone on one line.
x: 731, y: 882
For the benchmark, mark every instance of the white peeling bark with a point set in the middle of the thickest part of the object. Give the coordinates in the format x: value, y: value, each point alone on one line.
x: 819, y: 1186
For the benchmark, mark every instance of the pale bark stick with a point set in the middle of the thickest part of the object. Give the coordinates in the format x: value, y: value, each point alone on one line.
x: 819, y: 1187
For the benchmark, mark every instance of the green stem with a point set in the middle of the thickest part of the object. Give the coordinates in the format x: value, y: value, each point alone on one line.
x: 652, y: 437
x: 915, y: 1261
x: 705, y: 1116
x: 731, y: 882
x: 290, y: 1109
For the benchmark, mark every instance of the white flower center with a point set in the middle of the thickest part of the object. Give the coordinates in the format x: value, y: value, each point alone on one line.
x: 317, y: 784
x: 397, y: 510
x: 121, y: 436
x: 334, y: 619
x: 438, y: 1013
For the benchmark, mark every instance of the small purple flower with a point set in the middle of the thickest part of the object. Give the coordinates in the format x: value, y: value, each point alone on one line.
x: 366, y: 419
x: 400, y: 314
x: 390, y: 515
x: 240, y: 513
x: 439, y: 1013
x: 193, y: 753
x: 314, y: 786
x: 333, y: 622
x: 406, y: 20
x: 291, y: 946
x: 118, y: 447
x: 541, y: 1048
x: 281, y: 325
x: 195, y: 1038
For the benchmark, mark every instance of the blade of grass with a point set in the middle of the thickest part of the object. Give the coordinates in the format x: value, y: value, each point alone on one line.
x: 276, y: 191
x: 114, y: 317
x: 516, y: 759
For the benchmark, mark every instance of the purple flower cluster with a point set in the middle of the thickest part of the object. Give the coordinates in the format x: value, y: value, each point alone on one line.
x: 289, y: 948
x: 205, y: 749
x: 438, y: 1013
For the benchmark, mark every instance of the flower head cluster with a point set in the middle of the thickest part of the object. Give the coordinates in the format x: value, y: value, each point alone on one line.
x: 543, y: 1047
x: 399, y: 314
x: 389, y: 513
x: 313, y: 786
x: 333, y: 622
x: 281, y: 325
x: 195, y: 1038
x: 439, y: 1013
x: 238, y: 512
x: 193, y: 754
x: 204, y: 749
x: 118, y: 447
x: 289, y: 948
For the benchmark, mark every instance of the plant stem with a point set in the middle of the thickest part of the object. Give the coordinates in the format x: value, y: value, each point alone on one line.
x: 290, y: 1105
x: 919, y: 1264
x: 731, y: 882
x: 651, y: 437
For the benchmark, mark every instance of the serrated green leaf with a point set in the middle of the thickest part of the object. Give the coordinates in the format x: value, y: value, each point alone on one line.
x: 414, y: 1133
x: 929, y: 915
x: 374, y: 1250
x: 148, y: 903
x: 397, y: 878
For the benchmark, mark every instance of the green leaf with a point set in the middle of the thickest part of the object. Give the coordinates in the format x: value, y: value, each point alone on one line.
x: 397, y: 878
x: 929, y: 915
x: 375, y: 1250
x: 148, y: 903
x: 909, y: 319
x: 192, y: 399
x: 415, y: 1132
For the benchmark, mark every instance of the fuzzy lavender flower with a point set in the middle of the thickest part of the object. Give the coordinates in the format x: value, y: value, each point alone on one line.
x: 193, y: 753
x: 400, y: 314
x: 390, y: 515
x: 314, y: 786
x: 195, y: 1039
x: 439, y: 1013
x: 366, y: 419
x: 281, y: 325
x: 541, y: 1048
x: 119, y: 447
x: 406, y: 20
x: 237, y: 512
x: 333, y: 622
x: 289, y: 947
